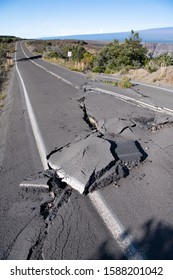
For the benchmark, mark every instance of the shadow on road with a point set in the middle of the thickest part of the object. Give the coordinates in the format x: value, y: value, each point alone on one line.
x: 139, y: 147
x: 29, y: 58
x: 106, y: 252
x: 156, y: 243
x: 157, y: 240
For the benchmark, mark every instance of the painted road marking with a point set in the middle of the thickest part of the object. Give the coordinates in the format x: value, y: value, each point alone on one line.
x: 36, y: 131
x: 137, y: 83
x: 31, y: 185
x: 112, y: 222
x: 142, y: 104
x: 45, y: 69
x: 151, y: 86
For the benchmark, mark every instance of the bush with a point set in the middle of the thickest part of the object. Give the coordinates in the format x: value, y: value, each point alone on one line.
x: 114, y: 83
x: 88, y: 59
x: 125, y: 83
x: 152, y: 66
x: 125, y: 70
x: 164, y: 59
x: 116, y: 56
x: 2, y: 97
x: 7, y: 47
x: 78, y: 53
x: 98, y: 69
x: 53, y: 54
x: 109, y: 71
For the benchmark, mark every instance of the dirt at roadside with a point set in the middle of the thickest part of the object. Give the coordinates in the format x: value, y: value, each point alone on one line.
x: 163, y: 76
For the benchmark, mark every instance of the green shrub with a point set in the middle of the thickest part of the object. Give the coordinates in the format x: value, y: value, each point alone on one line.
x: 125, y: 70
x: 164, y: 60
x: 109, y: 71
x: 116, y: 55
x: 125, y: 83
x: 151, y: 66
x: 53, y: 54
x: 2, y: 97
x: 78, y: 53
x: 88, y: 59
x: 98, y: 69
x: 114, y: 83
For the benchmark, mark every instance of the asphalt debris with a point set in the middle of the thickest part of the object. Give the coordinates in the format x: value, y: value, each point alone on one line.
x: 96, y: 162
x: 154, y: 124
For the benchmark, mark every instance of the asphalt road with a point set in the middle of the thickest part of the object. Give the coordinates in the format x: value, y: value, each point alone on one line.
x: 127, y: 218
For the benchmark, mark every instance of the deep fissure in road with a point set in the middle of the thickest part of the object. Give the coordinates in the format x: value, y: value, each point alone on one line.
x: 60, y: 194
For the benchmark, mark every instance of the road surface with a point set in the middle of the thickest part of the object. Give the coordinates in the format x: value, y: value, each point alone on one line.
x: 113, y: 149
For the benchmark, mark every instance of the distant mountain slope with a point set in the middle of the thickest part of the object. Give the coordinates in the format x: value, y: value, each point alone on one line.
x: 158, y: 35
x: 157, y: 49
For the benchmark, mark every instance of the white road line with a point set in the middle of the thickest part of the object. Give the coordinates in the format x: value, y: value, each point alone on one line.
x: 138, y: 83
x: 31, y: 185
x: 168, y: 109
x: 109, y: 218
x: 36, y: 131
x: 117, y: 230
x: 45, y: 69
x: 140, y: 103
x: 151, y: 86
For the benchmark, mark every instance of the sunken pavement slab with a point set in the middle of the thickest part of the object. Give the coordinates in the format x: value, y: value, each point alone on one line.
x: 95, y: 162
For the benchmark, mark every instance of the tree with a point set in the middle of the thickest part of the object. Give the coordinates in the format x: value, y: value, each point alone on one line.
x: 134, y: 51
x: 116, y: 55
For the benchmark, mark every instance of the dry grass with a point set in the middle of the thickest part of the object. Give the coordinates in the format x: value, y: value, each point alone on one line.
x: 125, y: 82
x: 2, y: 97
x: 75, y: 66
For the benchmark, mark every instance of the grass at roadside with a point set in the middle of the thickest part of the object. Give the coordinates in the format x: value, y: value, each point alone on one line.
x: 125, y: 82
x: 4, y: 76
x: 7, y: 48
x: 2, y: 97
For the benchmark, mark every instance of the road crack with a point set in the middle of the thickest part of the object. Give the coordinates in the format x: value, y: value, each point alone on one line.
x: 8, y: 251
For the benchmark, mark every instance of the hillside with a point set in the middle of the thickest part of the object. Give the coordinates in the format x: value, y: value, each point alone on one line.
x: 156, y: 49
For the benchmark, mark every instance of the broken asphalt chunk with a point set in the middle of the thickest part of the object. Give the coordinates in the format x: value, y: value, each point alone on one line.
x: 155, y: 124
x: 129, y: 153
x: 96, y: 162
x: 115, y: 125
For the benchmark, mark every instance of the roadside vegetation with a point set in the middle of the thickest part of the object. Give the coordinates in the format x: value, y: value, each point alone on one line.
x: 115, y: 57
x: 125, y: 82
x: 162, y: 60
x: 7, y: 48
x: 57, y: 51
x: 121, y: 56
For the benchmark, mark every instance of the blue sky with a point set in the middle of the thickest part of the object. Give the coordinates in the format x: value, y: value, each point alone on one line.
x: 39, y: 18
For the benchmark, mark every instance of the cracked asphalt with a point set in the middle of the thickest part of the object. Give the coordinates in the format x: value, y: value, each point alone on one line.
x: 118, y: 151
